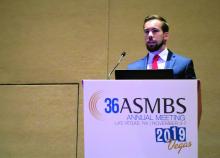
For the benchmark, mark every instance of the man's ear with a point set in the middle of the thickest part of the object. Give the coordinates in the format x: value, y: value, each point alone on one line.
x: 166, y: 35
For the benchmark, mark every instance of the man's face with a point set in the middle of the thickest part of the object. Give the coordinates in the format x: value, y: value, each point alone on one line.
x: 155, y: 38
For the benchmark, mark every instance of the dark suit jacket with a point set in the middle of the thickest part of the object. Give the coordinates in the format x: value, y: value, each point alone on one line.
x: 182, y: 66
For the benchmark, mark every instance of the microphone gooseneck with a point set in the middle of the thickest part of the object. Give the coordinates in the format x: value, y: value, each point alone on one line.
x: 119, y: 61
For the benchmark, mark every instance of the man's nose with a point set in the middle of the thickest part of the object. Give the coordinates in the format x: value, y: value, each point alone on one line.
x: 150, y: 34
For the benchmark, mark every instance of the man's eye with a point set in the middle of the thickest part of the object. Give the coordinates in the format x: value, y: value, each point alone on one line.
x: 155, y: 31
x: 146, y: 31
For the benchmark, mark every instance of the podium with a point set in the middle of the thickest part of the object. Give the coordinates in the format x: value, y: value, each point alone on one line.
x: 140, y: 118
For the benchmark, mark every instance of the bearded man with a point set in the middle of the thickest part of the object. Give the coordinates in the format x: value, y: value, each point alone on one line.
x: 156, y: 34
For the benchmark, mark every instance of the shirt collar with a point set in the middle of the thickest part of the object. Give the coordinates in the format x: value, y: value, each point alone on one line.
x: 163, y: 55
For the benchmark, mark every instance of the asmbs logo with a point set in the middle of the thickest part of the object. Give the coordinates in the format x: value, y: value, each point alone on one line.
x: 93, y: 105
x: 101, y: 105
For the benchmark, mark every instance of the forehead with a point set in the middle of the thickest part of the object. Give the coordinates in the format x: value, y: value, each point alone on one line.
x: 153, y: 24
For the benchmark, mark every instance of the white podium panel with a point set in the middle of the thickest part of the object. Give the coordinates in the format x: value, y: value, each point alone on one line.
x: 140, y: 118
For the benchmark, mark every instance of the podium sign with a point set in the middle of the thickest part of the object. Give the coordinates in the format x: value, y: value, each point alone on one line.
x: 140, y: 118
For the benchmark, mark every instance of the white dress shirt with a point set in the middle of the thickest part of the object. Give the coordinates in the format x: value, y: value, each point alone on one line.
x: 161, y: 61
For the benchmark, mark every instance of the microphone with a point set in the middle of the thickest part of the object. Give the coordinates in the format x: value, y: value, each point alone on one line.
x: 119, y: 61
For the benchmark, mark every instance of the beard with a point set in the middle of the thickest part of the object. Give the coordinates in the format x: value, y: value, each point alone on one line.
x: 155, y: 47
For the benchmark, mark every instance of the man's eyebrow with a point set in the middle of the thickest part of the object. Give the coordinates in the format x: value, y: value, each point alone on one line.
x: 151, y: 29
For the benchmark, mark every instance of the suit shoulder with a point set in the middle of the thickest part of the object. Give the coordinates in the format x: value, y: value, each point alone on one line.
x: 138, y: 64
x: 181, y: 57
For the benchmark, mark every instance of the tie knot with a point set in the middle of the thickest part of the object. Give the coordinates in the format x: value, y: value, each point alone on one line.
x: 156, y: 57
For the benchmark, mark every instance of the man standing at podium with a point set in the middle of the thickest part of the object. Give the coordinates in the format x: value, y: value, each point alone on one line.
x: 156, y: 34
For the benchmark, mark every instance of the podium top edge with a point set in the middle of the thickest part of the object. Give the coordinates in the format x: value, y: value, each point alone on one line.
x: 144, y: 80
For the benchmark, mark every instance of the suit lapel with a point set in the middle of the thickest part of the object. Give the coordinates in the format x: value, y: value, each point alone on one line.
x: 146, y: 62
x: 170, y: 60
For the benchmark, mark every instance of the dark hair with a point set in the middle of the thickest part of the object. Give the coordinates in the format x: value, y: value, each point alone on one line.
x: 165, y: 26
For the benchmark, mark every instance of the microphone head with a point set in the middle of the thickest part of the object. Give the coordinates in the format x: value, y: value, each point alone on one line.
x: 123, y: 54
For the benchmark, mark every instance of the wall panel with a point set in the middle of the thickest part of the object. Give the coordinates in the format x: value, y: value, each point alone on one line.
x: 38, y: 121
x: 52, y: 41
